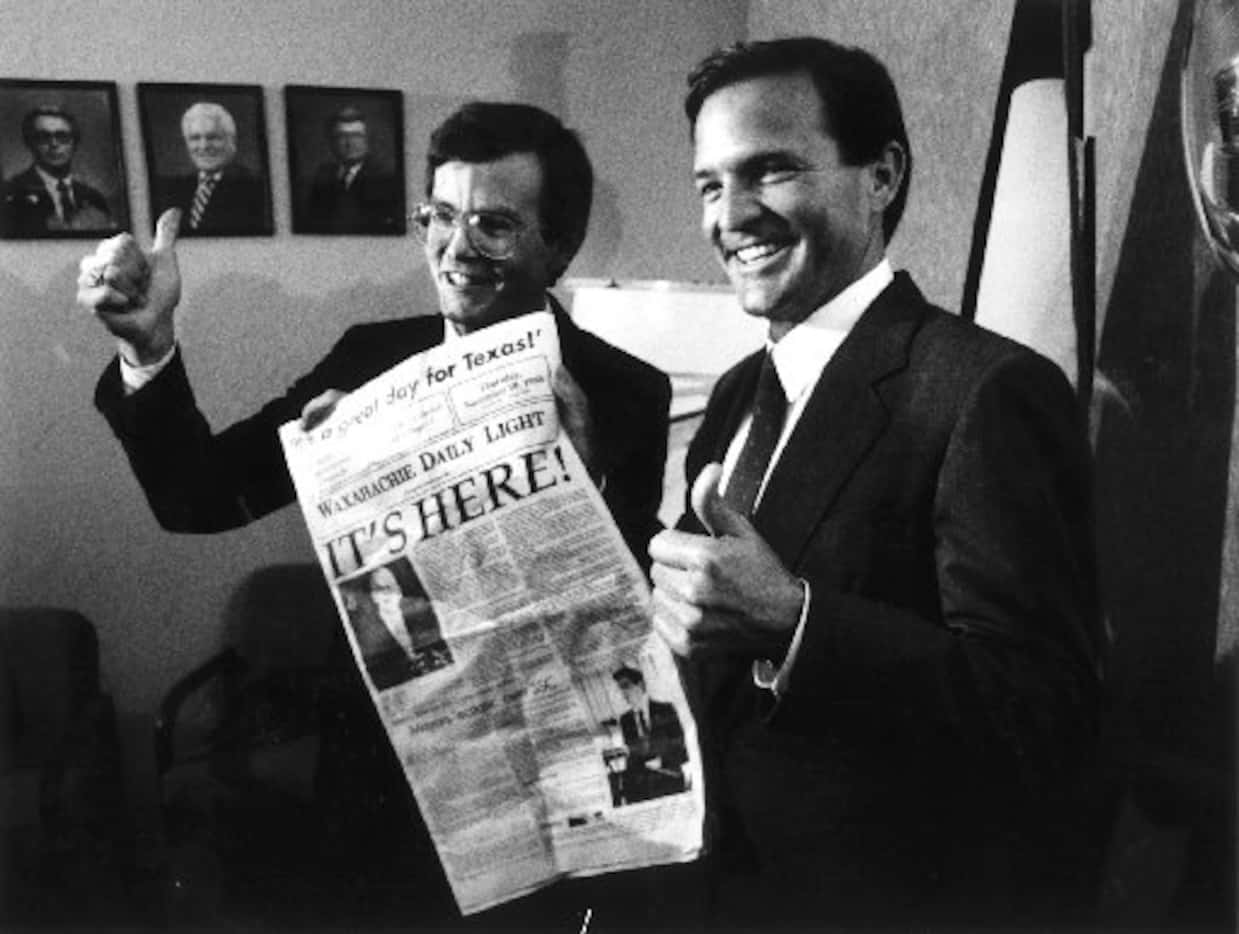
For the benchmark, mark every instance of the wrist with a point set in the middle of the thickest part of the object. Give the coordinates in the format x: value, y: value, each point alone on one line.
x: 148, y: 351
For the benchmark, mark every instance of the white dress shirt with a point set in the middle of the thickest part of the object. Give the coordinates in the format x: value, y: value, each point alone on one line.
x: 799, y: 358
x: 52, y: 184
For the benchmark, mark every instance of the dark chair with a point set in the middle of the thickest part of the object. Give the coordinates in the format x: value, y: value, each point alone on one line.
x: 65, y: 842
x: 237, y: 745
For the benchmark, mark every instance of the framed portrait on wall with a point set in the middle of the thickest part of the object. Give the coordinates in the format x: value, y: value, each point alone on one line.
x: 206, y: 153
x: 345, y: 160
x: 62, y: 166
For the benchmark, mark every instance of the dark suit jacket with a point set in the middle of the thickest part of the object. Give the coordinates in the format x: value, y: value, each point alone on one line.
x: 27, y: 209
x: 197, y: 480
x: 664, y: 740
x: 372, y: 204
x: 936, y: 497
x: 239, y: 203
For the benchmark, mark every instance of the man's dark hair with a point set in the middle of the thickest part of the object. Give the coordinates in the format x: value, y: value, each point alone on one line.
x: 348, y: 114
x: 483, y: 131
x: 47, y: 111
x: 629, y: 674
x: 860, y: 107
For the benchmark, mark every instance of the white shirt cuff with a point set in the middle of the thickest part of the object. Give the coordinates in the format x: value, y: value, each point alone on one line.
x: 135, y: 377
x: 772, y: 677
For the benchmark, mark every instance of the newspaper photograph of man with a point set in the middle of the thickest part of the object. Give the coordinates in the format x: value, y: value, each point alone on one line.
x: 395, y: 624
x: 649, y: 762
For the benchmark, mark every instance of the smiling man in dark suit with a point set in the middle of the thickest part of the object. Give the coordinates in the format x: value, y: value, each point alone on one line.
x: 888, y: 614
x: 508, y: 191
x: 220, y: 196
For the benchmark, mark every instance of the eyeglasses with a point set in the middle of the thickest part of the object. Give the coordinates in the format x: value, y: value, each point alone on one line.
x: 492, y: 234
x: 53, y: 136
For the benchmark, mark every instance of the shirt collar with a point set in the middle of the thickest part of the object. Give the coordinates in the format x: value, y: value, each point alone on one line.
x: 802, y: 352
x: 51, y: 181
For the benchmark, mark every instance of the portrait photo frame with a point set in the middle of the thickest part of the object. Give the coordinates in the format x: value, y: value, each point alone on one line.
x: 62, y: 162
x: 222, y: 185
x: 346, y: 162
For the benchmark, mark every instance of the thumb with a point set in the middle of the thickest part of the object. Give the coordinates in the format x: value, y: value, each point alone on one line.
x: 318, y: 409
x: 166, y: 230
x: 715, y: 513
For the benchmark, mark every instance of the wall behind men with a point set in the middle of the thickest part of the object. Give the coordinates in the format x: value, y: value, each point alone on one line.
x: 74, y: 528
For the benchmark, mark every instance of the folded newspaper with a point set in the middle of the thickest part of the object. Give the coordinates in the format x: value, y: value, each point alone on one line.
x: 501, y: 623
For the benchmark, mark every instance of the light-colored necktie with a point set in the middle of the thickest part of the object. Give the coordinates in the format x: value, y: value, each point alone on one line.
x: 206, y: 185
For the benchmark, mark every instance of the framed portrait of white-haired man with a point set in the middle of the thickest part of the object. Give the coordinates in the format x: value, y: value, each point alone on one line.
x: 206, y: 153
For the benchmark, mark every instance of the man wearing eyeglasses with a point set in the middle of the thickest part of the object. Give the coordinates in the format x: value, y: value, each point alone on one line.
x: 508, y: 192
x: 46, y: 198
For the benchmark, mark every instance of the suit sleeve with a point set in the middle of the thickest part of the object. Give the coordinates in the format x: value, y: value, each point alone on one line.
x: 197, y: 480
x: 1007, y: 674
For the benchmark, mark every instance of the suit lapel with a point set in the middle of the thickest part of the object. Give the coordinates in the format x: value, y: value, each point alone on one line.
x: 843, y: 418
x: 721, y: 422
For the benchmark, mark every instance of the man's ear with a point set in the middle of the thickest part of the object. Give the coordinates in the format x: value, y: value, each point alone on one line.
x: 561, y: 258
x: 886, y: 175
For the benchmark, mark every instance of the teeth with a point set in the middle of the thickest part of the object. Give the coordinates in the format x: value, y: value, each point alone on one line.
x: 464, y: 279
x: 751, y: 254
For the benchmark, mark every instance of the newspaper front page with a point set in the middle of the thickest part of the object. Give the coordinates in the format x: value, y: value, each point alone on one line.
x: 501, y: 623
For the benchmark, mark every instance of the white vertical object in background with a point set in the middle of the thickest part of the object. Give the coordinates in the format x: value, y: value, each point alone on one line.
x: 678, y: 327
x: 1025, y: 287
x: 692, y: 332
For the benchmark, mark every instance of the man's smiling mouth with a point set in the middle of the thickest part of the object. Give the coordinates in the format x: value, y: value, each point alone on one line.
x: 462, y: 280
x: 754, y: 253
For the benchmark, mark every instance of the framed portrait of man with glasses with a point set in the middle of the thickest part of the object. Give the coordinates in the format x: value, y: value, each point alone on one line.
x: 346, y: 160
x: 62, y: 166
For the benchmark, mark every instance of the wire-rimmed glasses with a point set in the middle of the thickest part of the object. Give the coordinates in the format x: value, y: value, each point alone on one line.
x: 490, y: 233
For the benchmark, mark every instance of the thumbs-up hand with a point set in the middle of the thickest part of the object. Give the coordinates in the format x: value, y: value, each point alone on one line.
x: 726, y: 592
x: 135, y: 292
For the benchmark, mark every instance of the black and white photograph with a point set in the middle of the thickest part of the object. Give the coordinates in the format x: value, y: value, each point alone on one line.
x: 345, y: 160
x: 647, y: 756
x: 206, y: 153
x: 395, y: 624
x: 62, y: 168
x: 898, y: 347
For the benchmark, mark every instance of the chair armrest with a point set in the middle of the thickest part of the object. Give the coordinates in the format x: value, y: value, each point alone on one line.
x: 226, y: 664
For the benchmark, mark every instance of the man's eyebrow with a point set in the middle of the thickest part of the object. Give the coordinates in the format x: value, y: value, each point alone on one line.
x: 502, y: 210
x: 756, y: 160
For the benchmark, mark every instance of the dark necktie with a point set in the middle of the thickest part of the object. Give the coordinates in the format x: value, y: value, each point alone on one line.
x: 643, y: 727
x: 66, y: 200
x: 769, y: 412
